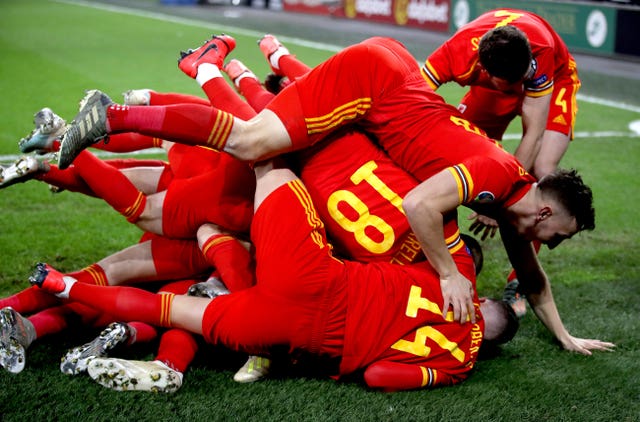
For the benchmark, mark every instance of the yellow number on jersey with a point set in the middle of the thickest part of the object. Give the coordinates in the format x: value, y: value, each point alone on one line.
x: 509, y: 17
x: 467, y: 125
x: 560, y: 101
x: 365, y: 219
x: 419, y: 347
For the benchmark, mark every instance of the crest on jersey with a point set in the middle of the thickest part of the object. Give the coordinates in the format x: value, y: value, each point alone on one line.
x: 484, y: 197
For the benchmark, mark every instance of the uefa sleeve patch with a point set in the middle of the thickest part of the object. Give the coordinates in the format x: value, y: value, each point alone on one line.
x: 484, y: 197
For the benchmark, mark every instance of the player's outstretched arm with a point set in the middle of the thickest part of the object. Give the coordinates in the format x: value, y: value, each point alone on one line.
x: 545, y: 309
x: 538, y: 292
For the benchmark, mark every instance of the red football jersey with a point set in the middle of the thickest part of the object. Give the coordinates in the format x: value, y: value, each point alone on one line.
x: 358, y: 191
x: 394, y: 314
x: 364, y: 313
x: 457, y: 58
x: 385, y: 95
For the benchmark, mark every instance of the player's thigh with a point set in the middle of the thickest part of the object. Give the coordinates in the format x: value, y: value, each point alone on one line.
x: 145, y: 179
x: 151, y: 218
x: 133, y: 262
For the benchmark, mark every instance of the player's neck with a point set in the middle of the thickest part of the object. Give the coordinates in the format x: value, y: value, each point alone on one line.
x: 525, y: 210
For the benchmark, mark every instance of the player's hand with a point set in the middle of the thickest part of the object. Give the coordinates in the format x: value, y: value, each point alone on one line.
x: 585, y: 346
x: 457, y: 291
x: 484, y: 224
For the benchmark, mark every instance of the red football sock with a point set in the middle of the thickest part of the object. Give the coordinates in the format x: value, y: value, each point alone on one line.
x: 191, y: 124
x: 291, y: 67
x: 232, y: 261
x: 30, y: 300
x: 126, y: 303
x: 50, y: 321
x: 224, y: 97
x: 70, y: 180
x: 254, y: 92
x: 67, y: 179
x: 168, y: 98
x: 93, y: 274
x: 143, y: 332
x: 177, y: 349
x: 111, y: 185
x: 90, y: 316
x: 128, y: 142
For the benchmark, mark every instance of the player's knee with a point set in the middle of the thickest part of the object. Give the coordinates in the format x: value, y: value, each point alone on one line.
x: 255, y: 141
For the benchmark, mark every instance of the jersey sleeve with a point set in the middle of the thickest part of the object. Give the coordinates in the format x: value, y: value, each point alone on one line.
x: 437, y: 68
x: 394, y: 376
x: 455, y: 60
x: 543, y: 68
x: 485, y: 181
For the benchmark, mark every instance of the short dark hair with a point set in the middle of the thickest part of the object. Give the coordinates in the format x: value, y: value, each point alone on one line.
x: 505, y: 53
x: 568, y: 189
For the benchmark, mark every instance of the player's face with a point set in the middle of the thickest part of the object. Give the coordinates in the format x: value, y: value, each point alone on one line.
x: 554, y: 229
x: 505, y: 86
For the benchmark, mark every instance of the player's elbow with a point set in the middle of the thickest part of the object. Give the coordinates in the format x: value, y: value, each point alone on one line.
x: 412, y: 203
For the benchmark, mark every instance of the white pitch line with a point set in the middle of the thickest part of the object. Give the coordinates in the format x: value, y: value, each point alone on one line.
x: 586, y: 135
x: 608, y: 103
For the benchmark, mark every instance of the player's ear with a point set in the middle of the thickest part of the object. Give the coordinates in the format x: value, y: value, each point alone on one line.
x: 544, y: 213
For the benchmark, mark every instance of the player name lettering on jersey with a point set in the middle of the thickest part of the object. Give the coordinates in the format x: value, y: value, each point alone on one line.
x: 409, y: 251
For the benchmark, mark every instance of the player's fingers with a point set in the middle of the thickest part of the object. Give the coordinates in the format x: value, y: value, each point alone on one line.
x: 485, y: 233
x: 471, y: 311
x: 602, y: 345
x: 464, y: 313
x: 445, y: 306
x: 584, y: 351
x: 457, y: 311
